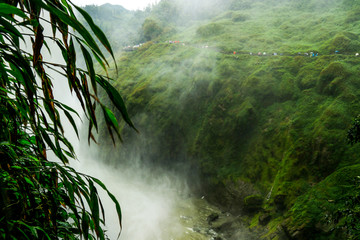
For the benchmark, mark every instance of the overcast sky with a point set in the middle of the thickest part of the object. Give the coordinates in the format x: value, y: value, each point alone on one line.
x: 128, y: 4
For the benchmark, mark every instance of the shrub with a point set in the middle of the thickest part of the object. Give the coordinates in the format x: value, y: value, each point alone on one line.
x: 151, y: 29
x: 210, y: 30
x: 331, y: 78
x: 239, y: 17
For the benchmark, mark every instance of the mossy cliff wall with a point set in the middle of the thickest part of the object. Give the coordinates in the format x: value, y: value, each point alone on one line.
x: 266, y: 135
x: 271, y: 126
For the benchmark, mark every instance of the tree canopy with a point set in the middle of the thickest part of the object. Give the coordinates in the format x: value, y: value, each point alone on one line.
x: 41, y: 199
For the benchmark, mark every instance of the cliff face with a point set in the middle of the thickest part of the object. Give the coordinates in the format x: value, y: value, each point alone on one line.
x: 257, y: 102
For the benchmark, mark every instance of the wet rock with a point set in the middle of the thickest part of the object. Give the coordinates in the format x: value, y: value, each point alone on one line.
x: 184, y: 217
x: 211, y: 232
x: 216, y: 238
x: 212, y: 218
x: 232, y: 194
x: 224, y: 227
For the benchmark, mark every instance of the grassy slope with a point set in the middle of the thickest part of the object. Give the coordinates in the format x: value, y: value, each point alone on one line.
x: 278, y: 122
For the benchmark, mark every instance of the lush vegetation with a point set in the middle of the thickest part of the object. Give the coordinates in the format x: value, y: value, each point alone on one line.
x: 270, y: 127
x: 128, y: 24
x: 39, y: 198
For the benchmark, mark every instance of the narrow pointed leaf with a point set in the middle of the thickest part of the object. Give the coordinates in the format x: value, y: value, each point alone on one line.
x: 116, y: 99
x: 9, y: 9
x: 90, y: 67
x: 97, y: 31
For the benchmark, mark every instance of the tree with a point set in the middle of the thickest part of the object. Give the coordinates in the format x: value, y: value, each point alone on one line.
x: 41, y: 199
x: 151, y: 29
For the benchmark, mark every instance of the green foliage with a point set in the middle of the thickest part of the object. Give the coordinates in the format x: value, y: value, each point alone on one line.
x: 331, y: 78
x: 344, y: 43
x: 331, y: 208
x: 41, y: 199
x: 239, y: 17
x: 45, y: 200
x: 151, y: 29
x: 353, y: 16
x: 166, y: 11
x: 350, y: 4
x: 209, y: 30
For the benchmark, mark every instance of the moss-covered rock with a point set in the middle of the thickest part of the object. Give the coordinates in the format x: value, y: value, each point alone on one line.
x: 328, y: 207
x: 332, y: 78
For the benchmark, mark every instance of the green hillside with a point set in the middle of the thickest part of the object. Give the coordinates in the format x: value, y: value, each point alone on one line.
x: 267, y: 134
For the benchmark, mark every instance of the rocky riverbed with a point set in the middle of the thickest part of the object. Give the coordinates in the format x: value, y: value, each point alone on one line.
x: 203, y: 221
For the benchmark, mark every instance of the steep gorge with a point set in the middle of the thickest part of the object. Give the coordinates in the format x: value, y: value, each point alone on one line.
x: 263, y: 135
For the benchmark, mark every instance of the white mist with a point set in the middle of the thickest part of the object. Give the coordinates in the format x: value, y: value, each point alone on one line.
x: 147, y: 202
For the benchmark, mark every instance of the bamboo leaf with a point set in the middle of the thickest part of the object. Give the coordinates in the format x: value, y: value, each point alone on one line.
x: 75, y: 24
x: 24, y: 234
x: 90, y: 67
x: 118, y: 209
x: 64, y: 106
x: 42, y: 230
x: 29, y: 181
x: 116, y: 99
x: 94, y: 206
x: 85, y: 223
x: 111, y: 121
x: 68, y: 145
x: 98, y: 32
x: 32, y: 229
x: 10, y: 28
x: 53, y: 193
x: 8, y: 9
x: 71, y: 120
x: 48, y: 141
x: 59, y: 153
x: 70, y: 190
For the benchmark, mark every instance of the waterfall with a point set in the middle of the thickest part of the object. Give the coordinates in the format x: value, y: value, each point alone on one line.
x: 147, y: 201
